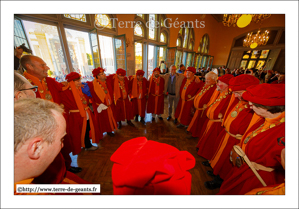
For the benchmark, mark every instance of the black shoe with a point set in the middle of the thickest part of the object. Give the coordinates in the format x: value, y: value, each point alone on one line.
x: 168, y: 118
x: 180, y: 126
x: 75, y: 169
x: 111, y: 134
x: 160, y: 118
x: 153, y: 119
x: 206, y: 163
x: 210, y: 173
x: 197, y: 149
x: 212, y: 185
x: 142, y: 121
x: 119, y: 125
x: 130, y: 123
x: 175, y: 121
x: 136, y: 118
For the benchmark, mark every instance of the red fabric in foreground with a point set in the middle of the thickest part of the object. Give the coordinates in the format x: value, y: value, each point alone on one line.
x: 147, y: 167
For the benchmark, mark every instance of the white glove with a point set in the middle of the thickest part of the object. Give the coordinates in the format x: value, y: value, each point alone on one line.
x: 101, y: 107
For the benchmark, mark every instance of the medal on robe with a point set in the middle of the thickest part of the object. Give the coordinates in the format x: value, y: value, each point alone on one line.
x: 254, y: 134
x: 185, y: 88
x: 41, y: 91
x: 246, y: 140
x: 263, y: 130
x: 106, y: 91
x: 224, y: 97
x: 70, y: 89
x: 84, y: 102
x: 272, y: 125
x: 282, y: 120
x: 240, y: 109
x: 234, y: 114
x: 48, y: 97
x: 189, y: 96
x: 200, y: 94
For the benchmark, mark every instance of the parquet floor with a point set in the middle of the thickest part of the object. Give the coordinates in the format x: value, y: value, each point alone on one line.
x: 97, y: 165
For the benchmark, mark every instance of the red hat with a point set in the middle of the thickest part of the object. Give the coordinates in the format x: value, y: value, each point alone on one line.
x: 96, y: 71
x: 72, y: 76
x: 157, y: 69
x: 243, y: 81
x: 121, y: 72
x: 225, y: 78
x: 140, y: 72
x: 266, y: 94
x: 145, y: 167
x: 192, y: 69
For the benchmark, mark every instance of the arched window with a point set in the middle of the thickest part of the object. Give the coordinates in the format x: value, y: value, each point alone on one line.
x: 204, y: 44
x: 163, y: 38
x: 179, y: 42
x: 79, y: 17
x: 141, y: 15
x: 186, y: 33
x: 152, y: 28
x: 103, y: 20
x: 138, y: 30
x: 191, y: 46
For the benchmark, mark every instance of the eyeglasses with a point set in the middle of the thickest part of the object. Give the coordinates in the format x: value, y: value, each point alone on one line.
x: 34, y: 88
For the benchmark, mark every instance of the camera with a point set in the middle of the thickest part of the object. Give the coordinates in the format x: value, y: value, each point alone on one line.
x: 25, y: 49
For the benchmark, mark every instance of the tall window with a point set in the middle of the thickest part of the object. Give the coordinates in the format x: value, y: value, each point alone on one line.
x: 103, y: 21
x: 138, y: 30
x: 107, y: 54
x: 163, y: 38
x: 45, y: 43
x: 179, y: 42
x: 79, y: 17
x: 186, y: 37
x: 80, y: 51
x: 152, y: 29
x: 204, y: 44
x: 19, y: 35
x: 150, y: 63
x: 162, y: 53
x: 138, y: 56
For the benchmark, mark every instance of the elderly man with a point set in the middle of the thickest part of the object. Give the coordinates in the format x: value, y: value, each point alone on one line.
x: 188, y: 90
x: 123, y: 107
x: 22, y: 88
x: 235, y: 123
x: 138, y: 91
x: 216, y: 110
x: 36, y: 72
x: 155, y: 103
x: 173, y: 82
x: 261, y: 145
x: 36, y: 149
x: 102, y: 101
x: 200, y: 102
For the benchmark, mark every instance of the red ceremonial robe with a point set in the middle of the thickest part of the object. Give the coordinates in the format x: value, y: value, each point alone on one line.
x: 186, y: 103
x: 211, y: 129
x: 123, y: 107
x: 155, y: 103
x: 75, y: 121
x: 103, y: 117
x: 263, y: 149
x: 200, y: 115
x: 220, y: 161
x: 139, y: 103
x: 57, y: 169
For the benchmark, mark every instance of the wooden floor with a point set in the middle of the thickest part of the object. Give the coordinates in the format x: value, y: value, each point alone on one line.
x: 97, y: 165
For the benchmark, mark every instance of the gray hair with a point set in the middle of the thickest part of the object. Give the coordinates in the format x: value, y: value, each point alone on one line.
x: 34, y: 118
x: 211, y: 75
x: 19, y: 82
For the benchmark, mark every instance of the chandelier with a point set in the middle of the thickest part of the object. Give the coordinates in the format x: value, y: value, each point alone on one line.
x: 242, y: 20
x: 254, y: 40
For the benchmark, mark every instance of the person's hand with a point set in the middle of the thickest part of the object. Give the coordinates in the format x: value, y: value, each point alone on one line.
x: 101, y: 107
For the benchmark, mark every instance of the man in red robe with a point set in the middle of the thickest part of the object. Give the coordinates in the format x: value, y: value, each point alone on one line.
x: 188, y: 90
x: 36, y: 73
x: 123, y: 106
x: 235, y: 123
x: 102, y: 101
x: 257, y: 158
x: 155, y: 103
x: 138, y: 91
x: 200, y: 102
x: 215, y: 113
x: 81, y: 119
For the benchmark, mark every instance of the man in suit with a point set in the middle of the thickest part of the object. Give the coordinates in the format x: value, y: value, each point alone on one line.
x: 173, y: 82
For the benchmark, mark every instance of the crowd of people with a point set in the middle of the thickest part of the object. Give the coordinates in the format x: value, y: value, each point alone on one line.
x: 237, y: 119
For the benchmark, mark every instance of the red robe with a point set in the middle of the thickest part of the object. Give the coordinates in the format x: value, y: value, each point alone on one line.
x: 263, y: 149
x: 139, y: 104
x: 57, y: 169
x: 220, y: 161
x: 200, y: 115
x: 211, y: 130
x: 184, y: 109
x: 102, y: 118
x: 123, y: 107
x: 155, y: 103
x: 75, y: 121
